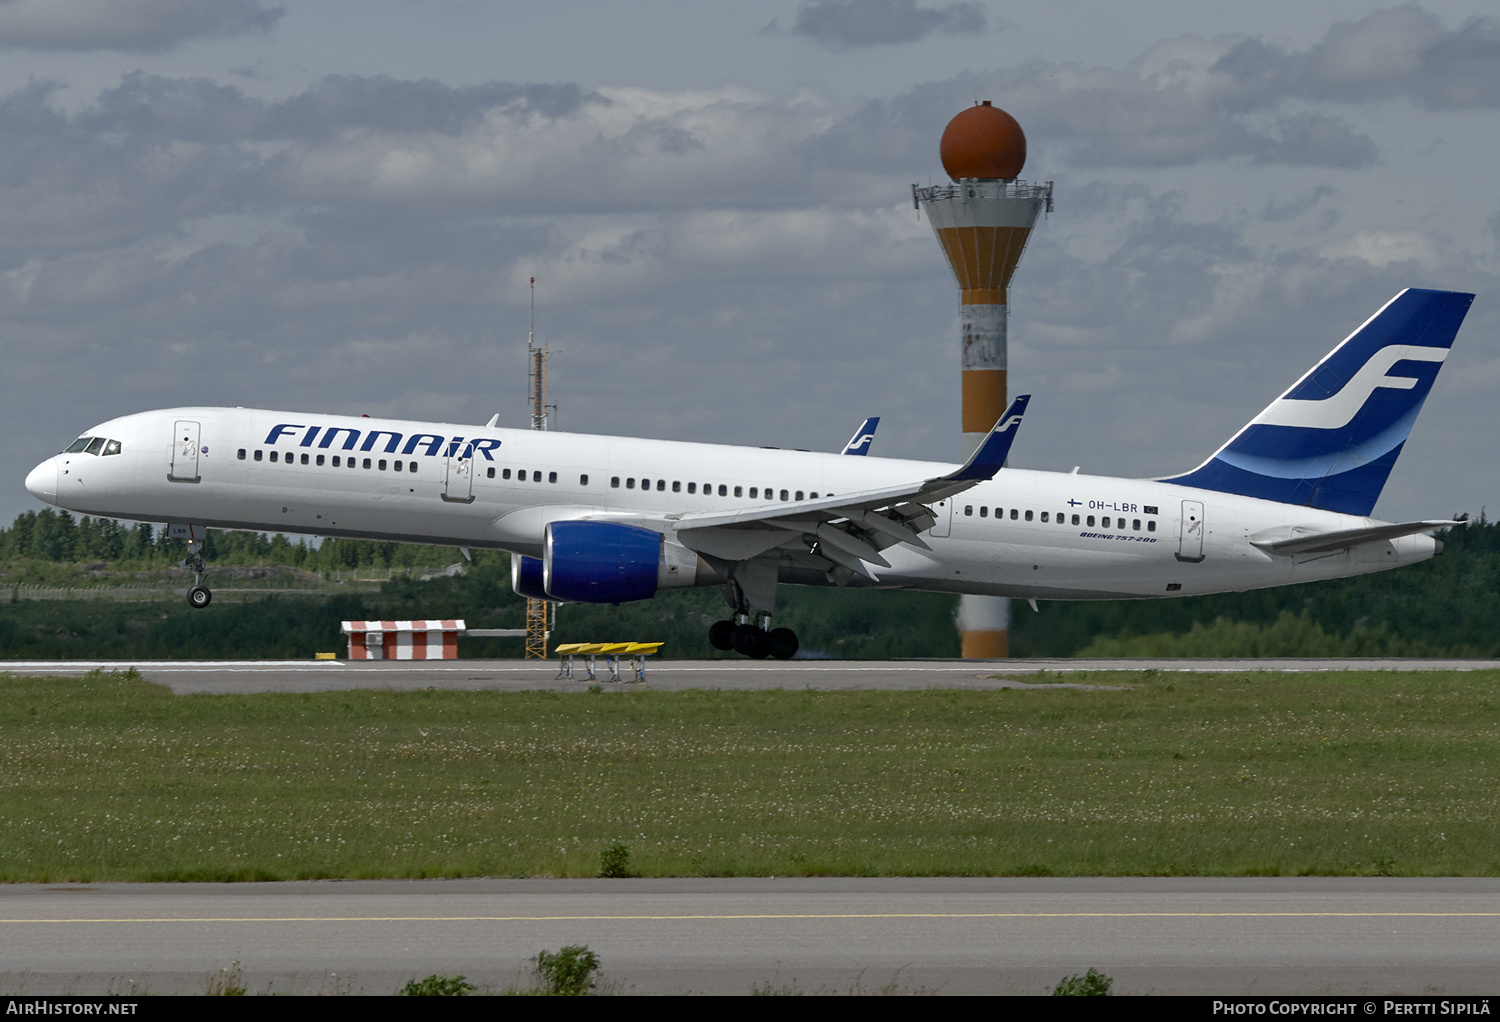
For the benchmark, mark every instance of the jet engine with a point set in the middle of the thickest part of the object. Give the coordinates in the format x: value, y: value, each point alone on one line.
x: 607, y: 562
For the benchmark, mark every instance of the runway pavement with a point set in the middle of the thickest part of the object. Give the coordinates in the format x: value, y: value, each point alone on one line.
x: 1366, y: 936
x: 245, y: 676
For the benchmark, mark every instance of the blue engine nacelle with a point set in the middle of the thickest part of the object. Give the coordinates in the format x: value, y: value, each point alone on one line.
x: 600, y: 562
x: 526, y: 577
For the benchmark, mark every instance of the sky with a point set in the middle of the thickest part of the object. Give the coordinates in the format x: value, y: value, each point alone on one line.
x: 322, y: 205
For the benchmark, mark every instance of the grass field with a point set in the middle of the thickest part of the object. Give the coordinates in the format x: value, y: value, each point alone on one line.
x: 111, y: 778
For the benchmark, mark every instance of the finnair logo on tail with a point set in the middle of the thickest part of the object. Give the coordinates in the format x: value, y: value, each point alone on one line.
x: 858, y: 444
x: 1337, y: 410
x: 1005, y: 427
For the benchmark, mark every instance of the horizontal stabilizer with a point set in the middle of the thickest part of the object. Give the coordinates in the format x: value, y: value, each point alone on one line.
x: 1300, y: 542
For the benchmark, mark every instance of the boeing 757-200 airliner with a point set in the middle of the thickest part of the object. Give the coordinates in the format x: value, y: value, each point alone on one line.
x: 609, y: 519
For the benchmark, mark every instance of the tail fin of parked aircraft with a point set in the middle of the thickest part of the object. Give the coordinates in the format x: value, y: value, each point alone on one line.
x: 859, y: 443
x: 1330, y: 441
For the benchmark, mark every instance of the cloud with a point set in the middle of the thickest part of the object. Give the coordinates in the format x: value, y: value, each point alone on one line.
x: 1400, y: 53
x: 856, y: 24
x: 135, y: 25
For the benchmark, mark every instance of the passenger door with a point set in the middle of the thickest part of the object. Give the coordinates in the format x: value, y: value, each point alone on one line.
x: 458, y: 479
x: 183, y: 466
x: 1190, y: 532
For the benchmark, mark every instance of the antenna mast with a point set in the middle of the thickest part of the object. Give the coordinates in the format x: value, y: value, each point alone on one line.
x: 536, y: 361
x: 540, y: 616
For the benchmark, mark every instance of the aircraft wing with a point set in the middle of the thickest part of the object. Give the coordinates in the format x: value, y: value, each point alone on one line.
x: 1301, y: 542
x: 850, y: 528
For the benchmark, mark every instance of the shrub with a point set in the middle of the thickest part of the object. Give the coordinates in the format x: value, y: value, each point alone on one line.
x: 437, y: 986
x: 615, y: 861
x: 569, y: 972
x: 1092, y: 984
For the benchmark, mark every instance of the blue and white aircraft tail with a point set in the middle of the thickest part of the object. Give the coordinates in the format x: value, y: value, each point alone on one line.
x: 1331, y: 440
x: 859, y: 443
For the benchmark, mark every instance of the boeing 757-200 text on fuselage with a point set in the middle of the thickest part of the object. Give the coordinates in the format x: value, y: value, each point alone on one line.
x: 609, y: 519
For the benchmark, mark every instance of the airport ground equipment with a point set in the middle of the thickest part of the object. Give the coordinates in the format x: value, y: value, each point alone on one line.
x: 403, y: 640
x: 636, y: 652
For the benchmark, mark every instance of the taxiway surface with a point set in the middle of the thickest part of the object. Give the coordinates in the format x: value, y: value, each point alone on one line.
x: 1354, y: 936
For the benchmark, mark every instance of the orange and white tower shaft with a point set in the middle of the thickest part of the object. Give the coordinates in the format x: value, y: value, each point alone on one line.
x: 983, y: 221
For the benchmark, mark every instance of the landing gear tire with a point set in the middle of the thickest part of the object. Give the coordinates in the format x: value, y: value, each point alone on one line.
x: 751, y: 641
x: 199, y: 597
x: 782, y: 643
x: 721, y: 635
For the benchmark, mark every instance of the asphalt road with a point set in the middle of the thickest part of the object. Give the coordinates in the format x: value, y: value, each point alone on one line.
x: 244, y: 676
x: 1360, y: 937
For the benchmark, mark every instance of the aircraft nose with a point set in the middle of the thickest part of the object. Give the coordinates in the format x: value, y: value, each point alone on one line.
x: 42, y: 481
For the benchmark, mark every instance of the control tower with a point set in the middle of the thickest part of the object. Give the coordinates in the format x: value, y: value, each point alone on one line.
x: 983, y: 221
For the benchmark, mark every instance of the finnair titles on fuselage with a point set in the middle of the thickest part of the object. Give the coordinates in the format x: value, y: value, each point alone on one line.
x: 613, y: 519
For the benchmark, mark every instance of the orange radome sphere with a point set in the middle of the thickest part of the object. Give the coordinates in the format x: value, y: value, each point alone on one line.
x: 984, y: 142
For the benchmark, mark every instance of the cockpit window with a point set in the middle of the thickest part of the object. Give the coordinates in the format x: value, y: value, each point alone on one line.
x: 95, y: 445
x: 79, y: 444
x: 111, y: 447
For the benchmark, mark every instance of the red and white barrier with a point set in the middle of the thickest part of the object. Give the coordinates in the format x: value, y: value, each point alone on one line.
x: 403, y: 640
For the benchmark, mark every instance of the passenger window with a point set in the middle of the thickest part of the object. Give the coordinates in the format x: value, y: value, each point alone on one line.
x: 355, y: 464
x: 274, y: 455
x: 489, y: 473
x: 614, y: 481
x: 551, y: 477
x: 336, y: 462
x: 661, y: 484
x: 413, y: 467
x: 969, y: 509
x: 78, y: 445
x: 984, y: 512
x: 784, y: 495
x: 754, y: 492
x: 723, y: 490
x: 1135, y: 525
x: 1091, y: 521
x: 397, y: 466
x: 257, y: 455
x: 583, y: 480
x: 676, y: 486
x: 739, y: 491
x: 799, y: 494
x: 381, y: 466
x: 113, y: 447
x: 305, y: 459
x: 1014, y: 514
x: 1151, y: 525
x: 367, y: 463
x: 1075, y: 519
x: 692, y: 487
x: 320, y: 459
x: 1028, y: 514
x: 95, y: 446
x: 241, y: 454
x: 630, y: 483
x: 1044, y: 516
x: 813, y: 494
x: 505, y: 474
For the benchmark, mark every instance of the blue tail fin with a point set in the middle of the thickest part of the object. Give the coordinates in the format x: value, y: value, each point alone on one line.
x: 859, y: 443
x: 1330, y: 441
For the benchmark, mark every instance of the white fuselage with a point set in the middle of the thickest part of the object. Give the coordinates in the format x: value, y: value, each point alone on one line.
x: 1028, y: 534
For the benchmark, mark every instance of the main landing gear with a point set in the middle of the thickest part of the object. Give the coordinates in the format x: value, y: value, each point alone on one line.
x: 198, y: 596
x: 753, y: 641
x: 750, y: 632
